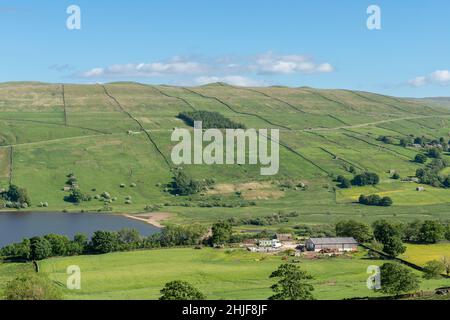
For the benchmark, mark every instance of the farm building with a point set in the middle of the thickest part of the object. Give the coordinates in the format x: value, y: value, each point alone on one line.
x: 332, y: 244
x: 269, y: 243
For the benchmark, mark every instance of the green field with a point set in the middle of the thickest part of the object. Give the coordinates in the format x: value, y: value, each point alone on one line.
x: 50, y: 130
x: 220, y: 274
x: 421, y: 254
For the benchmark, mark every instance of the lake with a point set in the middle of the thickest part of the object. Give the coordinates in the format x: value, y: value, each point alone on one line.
x: 14, y: 226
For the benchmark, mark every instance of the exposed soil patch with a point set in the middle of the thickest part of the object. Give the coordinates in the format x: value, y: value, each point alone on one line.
x: 154, y: 218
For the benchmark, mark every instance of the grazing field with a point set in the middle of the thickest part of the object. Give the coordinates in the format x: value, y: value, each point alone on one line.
x: 220, y: 274
x: 97, y: 133
x: 421, y: 254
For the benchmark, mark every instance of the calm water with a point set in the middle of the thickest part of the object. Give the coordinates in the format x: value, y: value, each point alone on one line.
x: 16, y: 226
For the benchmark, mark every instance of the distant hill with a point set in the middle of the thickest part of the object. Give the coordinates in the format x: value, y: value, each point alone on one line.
x: 442, y: 101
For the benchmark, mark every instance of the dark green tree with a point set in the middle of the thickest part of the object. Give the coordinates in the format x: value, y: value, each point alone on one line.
x: 221, y: 233
x: 180, y: 290
x: 59, y: 244
x: 104, y: 241
x: 390, y: 236
x: 16, y: 194
x: 397, y: 279
x: 420, y: 158
x: 40, y: 248
x: 431, y: 232
x: 351, y: 228
x: 293, y: 284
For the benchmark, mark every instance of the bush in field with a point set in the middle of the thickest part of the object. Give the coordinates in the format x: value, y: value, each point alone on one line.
x: 344, y: 183
x: 375, y: 200
x: 16, y: 195
x: 76, y: 196
x: 32, y: 286
x: 366, y: 178
x: 180, y: 290
x: 184, y: 185
x: 435, y: 153
x: 397, y: 279
x: 433, y: 269
x: 420, y: 158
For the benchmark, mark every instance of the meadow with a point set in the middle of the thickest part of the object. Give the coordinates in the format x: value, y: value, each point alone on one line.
x: 421, y: 254
x: 220, y: 274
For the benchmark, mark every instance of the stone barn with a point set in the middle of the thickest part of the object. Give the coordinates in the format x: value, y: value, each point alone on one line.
x: 331, y: 244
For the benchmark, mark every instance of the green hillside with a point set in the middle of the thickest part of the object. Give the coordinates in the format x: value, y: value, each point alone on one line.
x: 97, y: 132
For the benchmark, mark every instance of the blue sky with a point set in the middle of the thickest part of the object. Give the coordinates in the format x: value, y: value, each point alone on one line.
x: 318, y: 43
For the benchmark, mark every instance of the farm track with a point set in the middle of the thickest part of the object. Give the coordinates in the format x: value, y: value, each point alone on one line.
x: 55, y: 124
x: 377, y: 146
x: 361, y: 125
x: 58, y: 140
x: 146, y: 132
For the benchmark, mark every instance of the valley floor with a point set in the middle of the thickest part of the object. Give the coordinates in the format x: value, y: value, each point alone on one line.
x: 220, y: 274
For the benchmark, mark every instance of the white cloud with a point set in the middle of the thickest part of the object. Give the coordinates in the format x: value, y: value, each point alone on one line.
x: 440, y: 77
x: 233, y: 80
x: 418, y: 82
x: 232, y: 69
x: 173, y: 67
x: 270, y: 63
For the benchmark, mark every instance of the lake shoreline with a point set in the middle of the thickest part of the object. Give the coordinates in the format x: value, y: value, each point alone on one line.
x: 155, y: 218
x: 17, y: 225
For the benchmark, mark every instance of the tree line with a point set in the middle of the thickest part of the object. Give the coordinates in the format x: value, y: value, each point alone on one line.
x: 388, y: 236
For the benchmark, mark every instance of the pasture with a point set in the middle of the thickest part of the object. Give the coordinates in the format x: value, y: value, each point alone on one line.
x: 96, y: 132
x: 220, y: 274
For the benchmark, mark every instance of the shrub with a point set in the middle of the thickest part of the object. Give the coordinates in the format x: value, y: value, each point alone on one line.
x: 433, y: 269
x: 366, y: 178
x: 32, y: 286
x: 420, y: 158
x: 375, y: 200
x: 180, y: 290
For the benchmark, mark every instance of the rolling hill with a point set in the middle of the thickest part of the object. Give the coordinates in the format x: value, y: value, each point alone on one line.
x: 116, y: 138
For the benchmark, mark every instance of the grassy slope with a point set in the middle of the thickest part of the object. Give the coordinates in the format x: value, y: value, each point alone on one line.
x: 86, y: 133
x: 421, y: 254
x: 219, y: 274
